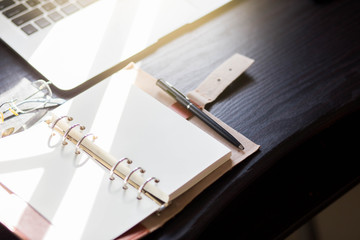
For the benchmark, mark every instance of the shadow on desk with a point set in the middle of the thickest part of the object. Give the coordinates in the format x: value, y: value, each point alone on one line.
x: 338, y: 221
x: 297, y: 188
x: 6, y: 234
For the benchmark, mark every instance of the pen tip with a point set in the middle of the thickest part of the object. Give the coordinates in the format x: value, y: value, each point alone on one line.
x: 241, y: 147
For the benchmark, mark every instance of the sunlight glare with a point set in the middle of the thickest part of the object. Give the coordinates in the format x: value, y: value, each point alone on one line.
x: 110, y: 109
x: 142, y: 26
x: 101, y: 11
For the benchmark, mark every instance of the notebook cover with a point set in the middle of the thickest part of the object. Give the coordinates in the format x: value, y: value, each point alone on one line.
x: 26, y: 229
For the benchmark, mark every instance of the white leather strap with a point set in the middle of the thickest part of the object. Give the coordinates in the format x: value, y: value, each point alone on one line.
x: 216, y: 82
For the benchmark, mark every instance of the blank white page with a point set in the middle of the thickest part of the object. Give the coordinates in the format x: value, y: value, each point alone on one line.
x: 75, y: 193
x: 131, y: 123
x: 165, y: 144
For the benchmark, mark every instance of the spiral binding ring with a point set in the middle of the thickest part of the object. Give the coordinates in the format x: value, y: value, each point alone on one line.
x: 128, y: 176
x: 77, y: 150
x: 111, y: 177
x: 161, y: 208
x: 68, y: 131
x: 143, y: 185
x: 57, y: 120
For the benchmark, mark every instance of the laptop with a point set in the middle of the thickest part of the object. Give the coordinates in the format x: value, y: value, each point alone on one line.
x: 72, y: 41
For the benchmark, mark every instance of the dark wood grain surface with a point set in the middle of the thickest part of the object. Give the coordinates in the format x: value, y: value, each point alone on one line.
x: 299, y: 100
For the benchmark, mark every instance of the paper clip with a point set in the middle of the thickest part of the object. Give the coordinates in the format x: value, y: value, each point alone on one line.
x: 41, y: 98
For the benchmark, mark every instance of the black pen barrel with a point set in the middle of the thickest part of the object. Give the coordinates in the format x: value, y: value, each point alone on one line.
x: 214, y: 125
x: 184, y: 101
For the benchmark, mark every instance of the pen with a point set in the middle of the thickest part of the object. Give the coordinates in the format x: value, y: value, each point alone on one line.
x: 184, y: 101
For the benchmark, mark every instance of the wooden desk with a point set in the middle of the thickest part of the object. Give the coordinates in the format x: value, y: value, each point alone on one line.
x: 300, y: 101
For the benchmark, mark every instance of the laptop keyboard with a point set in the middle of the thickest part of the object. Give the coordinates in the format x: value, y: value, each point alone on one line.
x: 34, y: 15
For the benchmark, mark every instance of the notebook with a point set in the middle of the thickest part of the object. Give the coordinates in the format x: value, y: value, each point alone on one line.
x: 74, y: 191
x: 72, y: 41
